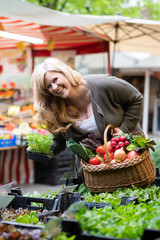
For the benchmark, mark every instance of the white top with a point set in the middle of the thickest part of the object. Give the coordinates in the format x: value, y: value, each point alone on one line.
x: 90, y: 125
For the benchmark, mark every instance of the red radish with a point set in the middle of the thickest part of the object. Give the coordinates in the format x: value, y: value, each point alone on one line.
x: 117, y: 140
x: 122, y: 138
x: 111, y: 149
x: 120, y: 155
x: 132, y: 154
x: 113, y: 139
x: 113, y: 144
x: 117, y: 147
x: 126, y: 143
x: 121, y: 144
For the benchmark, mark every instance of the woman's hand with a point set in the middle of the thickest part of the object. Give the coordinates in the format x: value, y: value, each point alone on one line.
x: 117, y: 131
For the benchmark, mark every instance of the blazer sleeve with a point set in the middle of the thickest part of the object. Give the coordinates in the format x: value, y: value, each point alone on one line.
x: 58, y: 144
x: 130, y: 102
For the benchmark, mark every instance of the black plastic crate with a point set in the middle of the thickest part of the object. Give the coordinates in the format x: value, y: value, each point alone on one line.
x: 85, y: 236
x: 23, y: 225
x: 73, y: 180
x: 157, y: 178
x: 65, y: 159
x: 151, y: 234
x: 125, y: 200
x: 72, y: 227
x: 66, y: 199
x: 91, y: 205
x: 50, y: 173
x: 43, y: 216
x: 26, y: 202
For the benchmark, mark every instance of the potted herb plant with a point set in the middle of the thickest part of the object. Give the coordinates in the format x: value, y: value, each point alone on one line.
x: 39, y: 146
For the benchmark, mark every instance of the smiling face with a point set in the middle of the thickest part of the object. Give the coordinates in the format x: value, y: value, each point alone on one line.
x: 57, y: 84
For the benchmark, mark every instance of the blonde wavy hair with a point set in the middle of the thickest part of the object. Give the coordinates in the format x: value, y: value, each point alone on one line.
x: 52, y: 111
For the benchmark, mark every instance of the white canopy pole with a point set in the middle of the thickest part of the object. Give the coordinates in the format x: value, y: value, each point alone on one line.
x: 146, y: 102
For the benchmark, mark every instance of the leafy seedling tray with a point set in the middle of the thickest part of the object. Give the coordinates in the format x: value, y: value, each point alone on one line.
x: 72, y: 227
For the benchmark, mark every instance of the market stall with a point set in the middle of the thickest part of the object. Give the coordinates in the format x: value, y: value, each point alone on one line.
x: 17, y: 60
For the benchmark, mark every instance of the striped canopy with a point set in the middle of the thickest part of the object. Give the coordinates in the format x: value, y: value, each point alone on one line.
x: 61, y: 37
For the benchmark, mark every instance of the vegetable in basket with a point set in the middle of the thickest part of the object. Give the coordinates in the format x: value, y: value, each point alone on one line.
x: 122, y: 147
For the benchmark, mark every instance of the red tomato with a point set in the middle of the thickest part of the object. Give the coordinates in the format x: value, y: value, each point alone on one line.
x: 104, y: 158
x: 110, y: 155
x: 100, y: 150
x: 103, y: 163
x: 94, y: 161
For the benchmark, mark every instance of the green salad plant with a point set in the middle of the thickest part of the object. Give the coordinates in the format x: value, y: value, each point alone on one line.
x: 124, y: 222
x: 152, y: 193
x: 39, y: 143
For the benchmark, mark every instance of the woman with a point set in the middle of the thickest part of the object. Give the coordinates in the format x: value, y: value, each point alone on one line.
x: 73, y: 106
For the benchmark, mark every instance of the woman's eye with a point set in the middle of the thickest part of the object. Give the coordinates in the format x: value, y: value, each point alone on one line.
x: 54, y: 80
x: 49, y: 86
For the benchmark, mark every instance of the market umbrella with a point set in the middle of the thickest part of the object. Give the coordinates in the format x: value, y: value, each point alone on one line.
x: 136, y: 35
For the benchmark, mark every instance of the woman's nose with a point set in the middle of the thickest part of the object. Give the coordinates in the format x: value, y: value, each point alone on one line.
x: 54, y: 86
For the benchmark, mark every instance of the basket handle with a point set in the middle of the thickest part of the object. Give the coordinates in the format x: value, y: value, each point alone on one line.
x: 105, y: 142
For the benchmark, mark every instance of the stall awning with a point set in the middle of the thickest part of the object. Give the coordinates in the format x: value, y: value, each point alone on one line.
x: 64, y: 29
x: 61, y: 37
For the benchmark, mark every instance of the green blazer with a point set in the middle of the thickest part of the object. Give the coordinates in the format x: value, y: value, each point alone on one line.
x: 114, y: 101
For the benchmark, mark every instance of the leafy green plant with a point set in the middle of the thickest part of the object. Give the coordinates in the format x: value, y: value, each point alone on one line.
x: 127, y: 222
x: 31, y: 218
x: 141, y: 143
x: 39, y: 143
x: 114, y: 198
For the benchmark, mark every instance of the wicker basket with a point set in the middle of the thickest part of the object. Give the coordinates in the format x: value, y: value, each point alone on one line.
x: 139, y: 172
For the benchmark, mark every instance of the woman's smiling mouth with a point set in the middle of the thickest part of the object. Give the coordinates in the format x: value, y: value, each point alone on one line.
x: 59, y: 90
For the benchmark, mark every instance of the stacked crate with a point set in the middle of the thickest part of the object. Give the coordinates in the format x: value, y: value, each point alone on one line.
x: 51, y: 172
